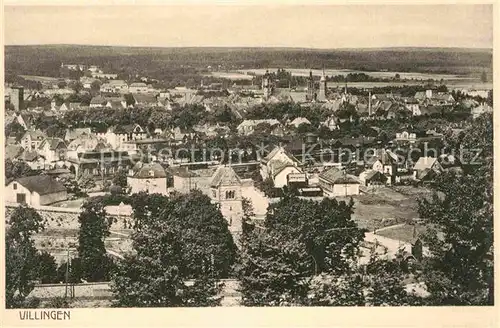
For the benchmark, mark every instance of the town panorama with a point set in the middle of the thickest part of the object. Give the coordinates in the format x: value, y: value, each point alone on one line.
x: 212, y: 176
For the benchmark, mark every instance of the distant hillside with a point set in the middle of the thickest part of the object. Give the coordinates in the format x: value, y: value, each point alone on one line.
x: 46, y: 59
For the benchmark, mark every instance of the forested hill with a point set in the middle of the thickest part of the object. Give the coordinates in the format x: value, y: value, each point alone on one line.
x: 46, y: 59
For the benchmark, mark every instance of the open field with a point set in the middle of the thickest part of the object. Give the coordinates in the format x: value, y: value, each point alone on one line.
x: 42, y: 79
x: 231, y: 75
x: 330, y: 72
x: 386, y: 203
x: 45, y: 60
x: 59, y: 241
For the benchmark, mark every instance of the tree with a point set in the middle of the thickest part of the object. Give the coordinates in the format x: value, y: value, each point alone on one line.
x: 442, y: 88
x: 14, y: 129
x: 47, y: 268
x: 305, y: 128
x: 302, y: 239
x: 120, y: 179
x: 489, y: 100
x: 344, y: 290
x: 484, y: 77
x: 326, y: 228
x: 175, y: 240
x: 460, y: 269
x: 94, y: 228
x: 385, y: 282
x: 95, y: 86
x: 86, y: 182
x: 62, y: 84
x: 77, y: 86
x: 248, y: 214
x: 274, y: 271
x: 71, y: 274
x: 18, y: 169
x: 267, y: 187
x: 20, y: 254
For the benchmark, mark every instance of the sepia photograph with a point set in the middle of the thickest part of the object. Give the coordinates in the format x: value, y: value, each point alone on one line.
x: 247, y: 155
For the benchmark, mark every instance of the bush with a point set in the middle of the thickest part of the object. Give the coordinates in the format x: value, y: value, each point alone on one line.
x: 57, y: 303
x: 75, y: 271
x: 47, y: 268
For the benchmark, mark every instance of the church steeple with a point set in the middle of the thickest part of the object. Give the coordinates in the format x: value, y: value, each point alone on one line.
x: 267, y: 85
x: 311, y: 94
x: 322, y: 86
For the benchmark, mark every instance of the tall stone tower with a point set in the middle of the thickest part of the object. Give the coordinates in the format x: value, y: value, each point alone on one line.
x: 267, y: 85
x: 17, y: 98
x: 311, y: 92
x: 227, y: 192
x: 322, y: 87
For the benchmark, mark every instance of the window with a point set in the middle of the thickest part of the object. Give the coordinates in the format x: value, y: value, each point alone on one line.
x: 21, y: 198
x: 214, y: 194
x: 14, y: 186
x: 230, y: 194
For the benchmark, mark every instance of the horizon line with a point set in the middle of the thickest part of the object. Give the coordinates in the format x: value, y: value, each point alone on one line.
x: 248, y: 47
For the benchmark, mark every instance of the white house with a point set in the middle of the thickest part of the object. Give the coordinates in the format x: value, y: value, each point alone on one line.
x: 481, y: 109
x: 150, y: 177
x: 53, y: 150
x: 119, y: 136
x: 406, y: 136
x: 425, y: 167
x: 115, y: 86
x: 32, y: 139
x: 372, y: 178
x: 277, y: 155
x: 247, y: 127
x: 298, y: 121
x: 35, y: 191
x: 385, y: 162
x: 413, y: 106
x: 331, y: 123
x: 281, y: 171
x: 138, y: 88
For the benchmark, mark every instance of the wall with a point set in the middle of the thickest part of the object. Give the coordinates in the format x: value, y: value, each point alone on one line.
x: 181, y: 184
x: 51, y: 198
x: 325, y: 185
x: 280, y: 180
x: 155, y: 185
x: 101, y: 290
x: 202, y: 183
x: 345, y: 190
x: 280, y: 156
x: 232, y: 210
x: 10, y: 195
x: 64, y: 218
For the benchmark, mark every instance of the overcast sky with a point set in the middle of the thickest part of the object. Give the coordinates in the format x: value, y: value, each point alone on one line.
x: 333, y: 26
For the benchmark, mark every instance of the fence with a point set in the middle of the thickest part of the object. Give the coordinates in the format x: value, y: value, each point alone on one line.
x: 102, y: 291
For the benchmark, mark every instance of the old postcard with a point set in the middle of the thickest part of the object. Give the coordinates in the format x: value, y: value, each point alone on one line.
x: 249, y: 162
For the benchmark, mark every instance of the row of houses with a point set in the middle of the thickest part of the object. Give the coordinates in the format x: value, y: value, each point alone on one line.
x: 382, y: 168
x: 248, y: 127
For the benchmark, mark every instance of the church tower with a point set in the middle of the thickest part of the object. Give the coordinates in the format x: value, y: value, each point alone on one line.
x: 267, y: 85
x: 311, y: 92
x: 322, y: 87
